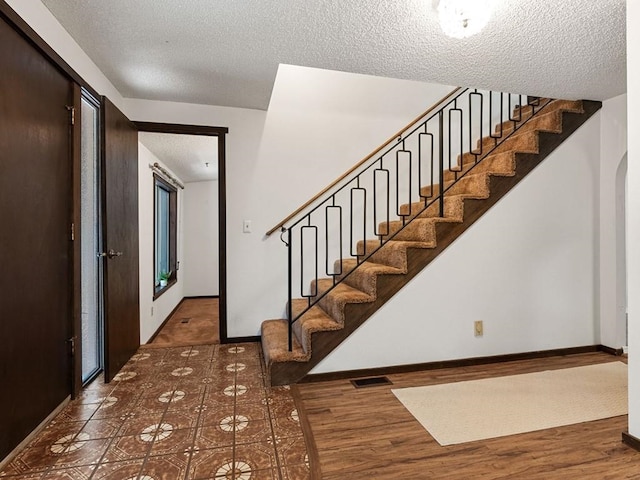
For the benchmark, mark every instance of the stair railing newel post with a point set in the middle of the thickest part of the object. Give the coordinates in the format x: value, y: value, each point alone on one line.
x: 290, y: 287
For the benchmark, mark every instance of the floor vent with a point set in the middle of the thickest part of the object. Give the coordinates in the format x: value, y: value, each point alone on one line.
x: 185, y: 320
x: 371, y: 382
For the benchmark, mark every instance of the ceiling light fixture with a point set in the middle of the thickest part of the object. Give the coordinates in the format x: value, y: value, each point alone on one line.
x: 463, y: 18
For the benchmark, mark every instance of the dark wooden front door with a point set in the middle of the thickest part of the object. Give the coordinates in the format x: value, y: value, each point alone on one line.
x: 35, y: 238
x: 121, y: 283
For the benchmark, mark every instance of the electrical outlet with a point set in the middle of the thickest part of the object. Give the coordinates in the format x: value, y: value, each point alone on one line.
x: 478, y: 328
x: 246, y: 226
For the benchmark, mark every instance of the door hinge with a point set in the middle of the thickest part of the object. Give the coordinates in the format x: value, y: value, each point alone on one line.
x: 72, y: 346
x: 73, y: 232
x: 72, y: 111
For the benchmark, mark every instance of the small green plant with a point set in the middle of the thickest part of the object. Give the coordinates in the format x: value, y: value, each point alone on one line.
x: 165, y: 275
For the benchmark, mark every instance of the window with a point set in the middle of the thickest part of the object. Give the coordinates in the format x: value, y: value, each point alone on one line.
x: 165, y: 225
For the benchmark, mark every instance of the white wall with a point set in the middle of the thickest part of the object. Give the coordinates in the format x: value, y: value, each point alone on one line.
x: 316, y: 129
x: 527, y: 269
x: 153, y: 313
x: 633, y: 209
x: 200, y: 262
x: 612, y: 275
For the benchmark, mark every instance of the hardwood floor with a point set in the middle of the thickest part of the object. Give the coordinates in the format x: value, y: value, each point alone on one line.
x: 367, y: 434
x: 195, y: 322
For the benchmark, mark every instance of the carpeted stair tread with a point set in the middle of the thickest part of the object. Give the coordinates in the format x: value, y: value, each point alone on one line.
x: 453, y: 208
x: 468, y: 183
x: 337, y: 297
x: 393, y: 253
x: 275, y: 343
x: 365, y: 277
x: 419, y: 229
x: 501, y: 164
x: 524, y: 141
x: 548, y: 121
x: 313, y: 320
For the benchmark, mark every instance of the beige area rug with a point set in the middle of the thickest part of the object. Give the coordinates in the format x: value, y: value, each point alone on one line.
x: 495, y: 407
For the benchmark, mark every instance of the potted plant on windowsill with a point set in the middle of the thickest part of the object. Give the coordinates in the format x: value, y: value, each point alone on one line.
x: 164, y: 279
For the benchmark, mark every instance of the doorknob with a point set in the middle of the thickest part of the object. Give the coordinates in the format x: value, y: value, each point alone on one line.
x: 110, y: 254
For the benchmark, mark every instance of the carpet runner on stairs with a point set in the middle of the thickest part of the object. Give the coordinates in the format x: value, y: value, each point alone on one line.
x: 328, y: 317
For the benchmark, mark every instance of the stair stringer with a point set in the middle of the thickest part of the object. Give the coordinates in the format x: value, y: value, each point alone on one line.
x: 355, y: 314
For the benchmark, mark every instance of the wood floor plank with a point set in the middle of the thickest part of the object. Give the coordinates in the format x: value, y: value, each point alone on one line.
x: 368, y: 434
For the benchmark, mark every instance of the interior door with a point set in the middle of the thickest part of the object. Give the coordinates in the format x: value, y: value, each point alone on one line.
x: 36, y: 283
x: 120, y: 234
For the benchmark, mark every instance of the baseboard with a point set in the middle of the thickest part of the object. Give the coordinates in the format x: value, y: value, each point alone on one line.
x: 464, y: 362
x: 630, y: 440
x: 252, y: 339
x: 201, y: 296
x: 610, y: 350
x: 6, y: 460
x: 155, y: 334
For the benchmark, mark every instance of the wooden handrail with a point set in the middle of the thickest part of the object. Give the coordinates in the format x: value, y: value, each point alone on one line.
x: 364, y: 160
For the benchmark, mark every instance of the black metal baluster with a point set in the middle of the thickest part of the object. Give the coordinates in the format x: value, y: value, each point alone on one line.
x: 422, y: 136
x: 399, y: 211
x: 441, y: 173
x: 478, y: 150
x: 290, y: 289
x: 384, y: 172
x: 331, y: 269
x: 456, y: 168
x: 357, y: 254
x: 313, y: 292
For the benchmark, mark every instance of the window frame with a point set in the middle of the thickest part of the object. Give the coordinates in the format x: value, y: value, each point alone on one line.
x: 160, y: 182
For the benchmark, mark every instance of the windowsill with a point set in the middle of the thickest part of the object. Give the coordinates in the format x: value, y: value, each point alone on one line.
x: 160, y: 290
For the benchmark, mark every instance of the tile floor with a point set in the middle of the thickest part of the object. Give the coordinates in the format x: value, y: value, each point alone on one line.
x: 174, y: 413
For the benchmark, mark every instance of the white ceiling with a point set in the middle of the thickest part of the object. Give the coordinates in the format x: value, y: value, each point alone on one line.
x: 186, y: 155
x: 227, y: 52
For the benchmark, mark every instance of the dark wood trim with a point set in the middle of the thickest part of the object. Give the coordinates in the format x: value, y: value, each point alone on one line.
x: 164, y: 322
x: 22, y: 27
x: 463, y: 362
x: 181, y: 129
x: 222, y: 238
x: 201, y: 296
x: 173, y: 235
x: 220, y: 133
x: 157, y: 293
x: 76, y: 254
x: 630, y: 440
x: 611, y: 351
x: 309, y: 440
x: 251, y: 339
x: 283, y: 373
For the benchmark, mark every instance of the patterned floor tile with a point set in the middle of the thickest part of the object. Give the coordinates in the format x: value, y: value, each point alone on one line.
x: 166, y: 467
x: 135, y: 423
x: 118, y: 470
x: 173, y: 413
x: 129, y: 447
x: 176, y: 441
x: 259, y: 456
x: 211, y: 463
x: 74, y: 473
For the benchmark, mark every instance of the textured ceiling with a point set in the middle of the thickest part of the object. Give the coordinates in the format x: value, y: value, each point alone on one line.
x: 222, y: 52
x: 185, y: 155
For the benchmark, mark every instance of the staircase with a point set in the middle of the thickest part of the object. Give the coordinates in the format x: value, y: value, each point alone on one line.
x: 369, y: 267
